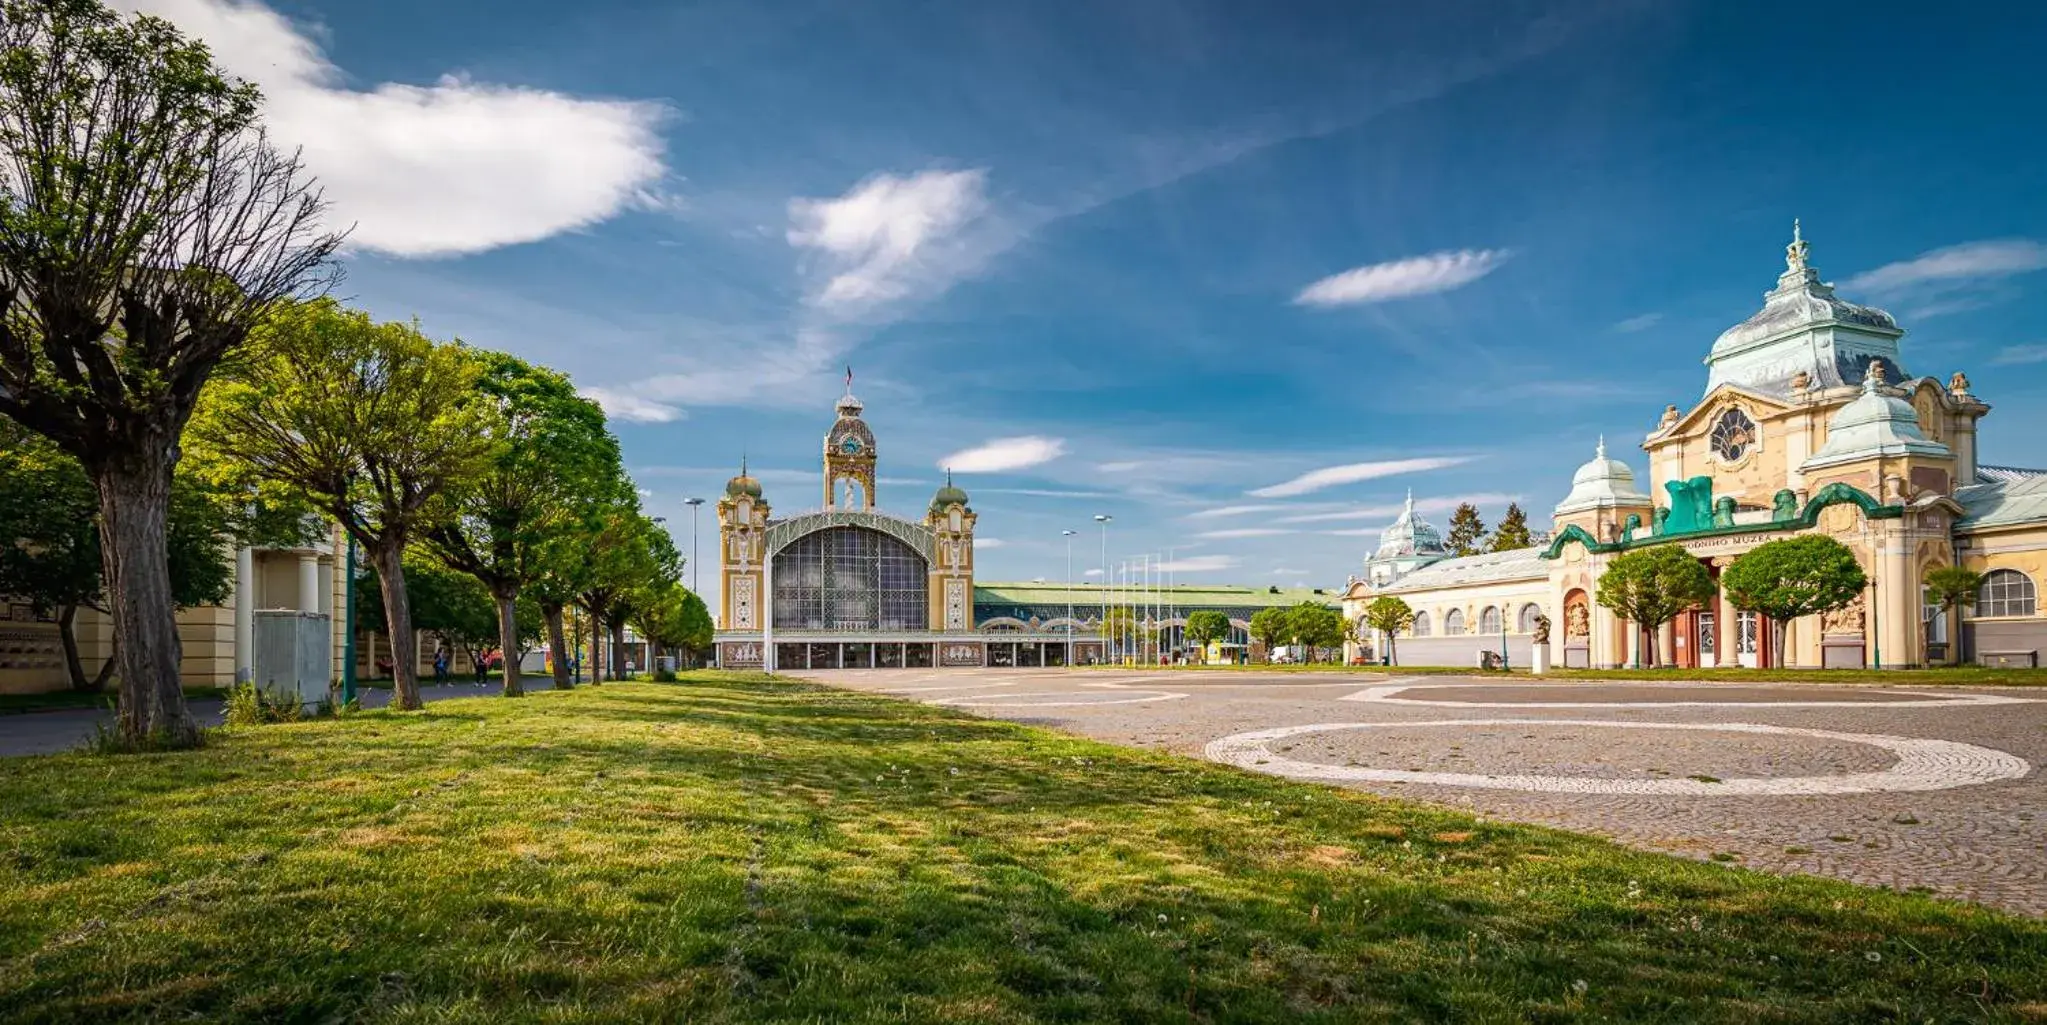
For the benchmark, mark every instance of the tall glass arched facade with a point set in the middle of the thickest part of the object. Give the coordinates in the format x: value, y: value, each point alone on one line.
x: 850, y: 578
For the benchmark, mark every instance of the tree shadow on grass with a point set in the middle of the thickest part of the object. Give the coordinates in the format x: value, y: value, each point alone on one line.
x: 753, y: 854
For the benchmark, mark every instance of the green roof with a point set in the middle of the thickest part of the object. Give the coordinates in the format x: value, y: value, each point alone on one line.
x: 1183, y: 595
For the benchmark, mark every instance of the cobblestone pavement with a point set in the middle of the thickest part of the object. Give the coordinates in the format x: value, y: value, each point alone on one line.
x: 1934, y: 788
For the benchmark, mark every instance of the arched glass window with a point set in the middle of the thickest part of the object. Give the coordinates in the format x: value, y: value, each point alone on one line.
x: 1421, y: 624
x: 1453, y: 623
x: 850, y: 578
x: 2006, y: 592
x: 1525, y: 622
x: 1489, y: 621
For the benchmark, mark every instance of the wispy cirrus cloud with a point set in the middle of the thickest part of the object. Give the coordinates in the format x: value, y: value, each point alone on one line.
x: 1639, y: 323
x: 2015, y: 355
x: 1966, y: 264
x: 1351, y: 473
x: 1434, y: 504
x: 1234, y: 510
x: 1241, y: 532
x: 1005, y: 454
x: 1401, y: 279
x: 457, y: 166
x: 886, y: 235
x: 1196, y: 564
x: 620, y: 405
x: 989, y: 542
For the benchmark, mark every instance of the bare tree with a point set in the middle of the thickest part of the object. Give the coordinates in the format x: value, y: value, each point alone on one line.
x: 145, y: 225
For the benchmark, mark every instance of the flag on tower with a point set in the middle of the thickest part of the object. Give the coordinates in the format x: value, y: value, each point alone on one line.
x: 849, y: 377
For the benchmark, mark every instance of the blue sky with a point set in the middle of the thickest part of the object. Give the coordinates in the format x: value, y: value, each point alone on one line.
x: 1152, y: 259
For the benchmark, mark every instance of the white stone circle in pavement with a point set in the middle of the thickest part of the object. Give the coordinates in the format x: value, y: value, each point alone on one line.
x: 1010, y: 700
x: 1386, y: 695
x: 1922, y: 764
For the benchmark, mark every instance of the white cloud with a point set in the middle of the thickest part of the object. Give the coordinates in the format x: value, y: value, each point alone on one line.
x: 1351, y: 473
x: 989, y: 542
x: 877, y: 238
x: 1424, y: 506
x: 1284, y: 572
x: 1092, y: 573
x: 1965, y: 264
x: 1400, y: 279
x: 1197, y: 564
x: 1234, y: 510
x: 1044, y: 493
x: 1237, y: 532
x: 452, y: 167
x: 1641, y: 323
x: 631, y: 408
x: 2013, y: 355
x: 1005, y: 454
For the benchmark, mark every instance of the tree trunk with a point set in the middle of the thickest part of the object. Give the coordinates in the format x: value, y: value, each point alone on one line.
x: 134, y: 499
x: 74, y: 666
x: 389, y: 559
x: 508, y: 643
x: 557, y: 642
x: 1649, y: 643
x: 617, y: 642
x: 1777, y: 632
x: 596, y: 648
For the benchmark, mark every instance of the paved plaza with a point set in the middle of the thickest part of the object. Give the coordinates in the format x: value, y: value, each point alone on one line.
x: 1934, y: 788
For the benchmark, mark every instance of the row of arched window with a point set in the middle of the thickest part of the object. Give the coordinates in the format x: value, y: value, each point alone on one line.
x: 2005, y: 592
x: 1454, y: 624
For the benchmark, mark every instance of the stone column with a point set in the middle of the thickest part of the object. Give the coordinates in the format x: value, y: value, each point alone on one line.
x: 245, y: 615
x: 1896, y: 610
x: 1666, y: 642
x: 309, y: 582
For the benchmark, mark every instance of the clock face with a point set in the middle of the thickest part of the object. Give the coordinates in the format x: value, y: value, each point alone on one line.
x: 1733, y: 435
x: 850, y: 446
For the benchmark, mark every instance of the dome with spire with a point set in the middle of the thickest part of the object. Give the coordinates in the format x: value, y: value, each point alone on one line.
x: 1409, y: 536
x: 1603, y: 483
x: 1877, y: 423
x: 742, y: 486
x: 947, y: 494
x: 1803, y: 327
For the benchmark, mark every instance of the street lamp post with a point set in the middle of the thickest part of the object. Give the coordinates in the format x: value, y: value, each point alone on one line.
x: 694, y: 505
x: 1069, y: 597
x: 1104, y: 628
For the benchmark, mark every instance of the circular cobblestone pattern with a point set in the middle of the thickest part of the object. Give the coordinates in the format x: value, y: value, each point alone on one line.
x: 1920, y: 765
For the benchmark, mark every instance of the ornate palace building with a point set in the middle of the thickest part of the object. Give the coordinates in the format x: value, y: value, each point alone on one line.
x: 846, y: 585
x: 1809, y: 424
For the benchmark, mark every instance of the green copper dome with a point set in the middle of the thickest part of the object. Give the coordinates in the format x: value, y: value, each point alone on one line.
x: 948, y: 494
x: 742, y: 486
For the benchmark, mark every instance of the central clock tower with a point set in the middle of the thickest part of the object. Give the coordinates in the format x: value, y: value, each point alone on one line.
x: 849, y: 457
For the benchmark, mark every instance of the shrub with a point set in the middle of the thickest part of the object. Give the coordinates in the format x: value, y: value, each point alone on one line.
x: 250, y: 705
x: 664, y: 676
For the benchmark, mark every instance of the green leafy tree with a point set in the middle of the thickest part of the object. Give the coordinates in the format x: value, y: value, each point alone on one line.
x: 1389, y: 614
x: 1651, y: 586
x: 50, y: 556
x: 1205, y: 626
x: 1467, y: 531
x: 1512, y: 533
x: 365, y: 422
x: 1950, y: 588
x: 146, y: 226
x: 1269, y: 626
x: 629, y: 555
x: 674, y: 618
x: 1793, y: 577
x: 548, y: 449
x: 1313, y: 626
x: 455, y: 609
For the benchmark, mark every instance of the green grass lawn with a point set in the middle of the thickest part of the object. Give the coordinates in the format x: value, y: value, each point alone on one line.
x: 17, y: 704
x: 738, y: 849
x: 1942, y: 675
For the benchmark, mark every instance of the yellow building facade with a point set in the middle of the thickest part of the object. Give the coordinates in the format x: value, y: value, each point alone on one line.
x: 305, y: 586
x: 1808, y: 425
x: 847, y: 585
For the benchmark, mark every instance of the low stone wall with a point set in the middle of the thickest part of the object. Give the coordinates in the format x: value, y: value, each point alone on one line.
x: 2005, y: 642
